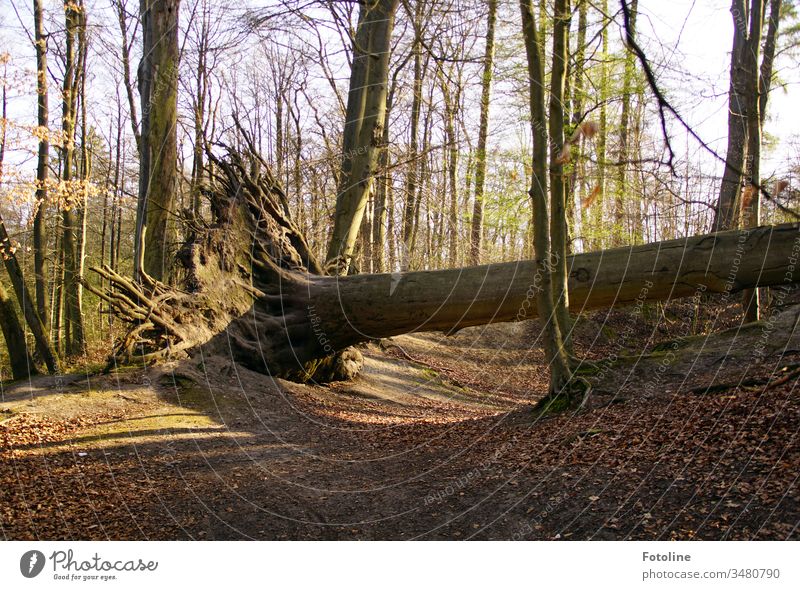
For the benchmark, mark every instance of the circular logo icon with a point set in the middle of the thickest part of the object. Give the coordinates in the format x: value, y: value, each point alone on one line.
x: 31, y: 563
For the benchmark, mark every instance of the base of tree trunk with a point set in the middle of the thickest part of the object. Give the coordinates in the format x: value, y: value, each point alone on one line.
x: 570, y: 396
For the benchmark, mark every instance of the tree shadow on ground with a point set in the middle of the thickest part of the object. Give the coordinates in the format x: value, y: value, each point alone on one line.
x: 402, y: 454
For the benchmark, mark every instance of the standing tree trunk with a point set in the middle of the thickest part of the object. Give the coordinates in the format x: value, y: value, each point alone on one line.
x: 451, y: 98
x: 750, y: 210
x: 743, y: 90
x: 558, y: 208
x: 619, y: 233
x: 121, y: 9
x: 555, y: 354
x: 42, y: 120
x: 366, y: 110
x: 476, y: 233
x: 768, y: 60
x: 602, y: 140
x: 755, y: 120
x: 74, y: 21
x: 412, y: 193
x: 158, y: 158
x: 383, y: 189
x: 577, y: 177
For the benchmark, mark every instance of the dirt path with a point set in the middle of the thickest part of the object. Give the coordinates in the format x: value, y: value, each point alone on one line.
x: 433, y: 441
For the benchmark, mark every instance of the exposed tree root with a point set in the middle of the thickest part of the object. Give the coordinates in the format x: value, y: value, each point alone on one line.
x: 247, y: 283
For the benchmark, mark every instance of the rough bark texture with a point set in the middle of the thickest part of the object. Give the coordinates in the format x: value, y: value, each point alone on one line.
x: 158, y: 158
x: 751, y: 210
x: 411, y: 210
x: 743, y: 98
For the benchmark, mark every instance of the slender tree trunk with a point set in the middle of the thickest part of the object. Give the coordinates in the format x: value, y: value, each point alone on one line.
x: 25, y: 300
x: 751, y: 210
x: 411, y: 210
x: 378, y: 230
x: 126, y: 71
x: 201, y: 80
x: 451, y: 100
x: 85, y: 173
x: 555, y: 354
x: 42, y: 118
x: 619, y: 233
x: 577, y: 177
x: 751, y: 298
x: 768, y: 60
x: 558, y: 209
x: 476, y: 232
x: 602, y: 140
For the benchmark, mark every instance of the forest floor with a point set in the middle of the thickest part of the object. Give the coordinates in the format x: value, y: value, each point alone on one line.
x: 683, y: 437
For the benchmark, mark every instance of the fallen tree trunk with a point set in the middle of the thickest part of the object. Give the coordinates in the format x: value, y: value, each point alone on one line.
x: 360, y: 307
x: 257, y: 293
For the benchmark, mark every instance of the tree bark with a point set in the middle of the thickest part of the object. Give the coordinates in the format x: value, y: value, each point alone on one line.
x: 768, y: 59
x: 366, y: 119
x: 451, y: 99
x: 596, y: 212
x: 751, y: 211
x: 555, y: 353
x: 558, y: 205
x: 74, y: 48
x: 619, y: 232
x: 158, y: 158
x: 742, y: 94
x: 756, y: 118
x: 577, y: 178
x: 476, y: 231
x: 411, y: 210
x: 42, y: 118
x: 121, y: 9
x: 26, y: 302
